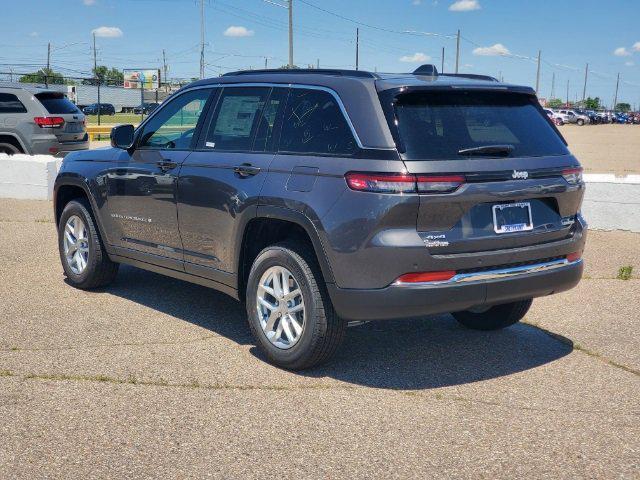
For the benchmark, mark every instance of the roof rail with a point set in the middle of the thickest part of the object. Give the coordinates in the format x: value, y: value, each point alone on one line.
x: 472, y: 76
x: 306, y: 71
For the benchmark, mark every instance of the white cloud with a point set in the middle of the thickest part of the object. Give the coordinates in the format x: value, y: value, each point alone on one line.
x: 621, y: 52
x: 234, y: 31
x: 636, y: 46
x: 417, y: 57
x: 465, y: 6
x: 88, y: 3
x: 492, y: 51
x: 34, y: 34
x: 107, y: 32
x: 629, y: 64
x: 416, y: 2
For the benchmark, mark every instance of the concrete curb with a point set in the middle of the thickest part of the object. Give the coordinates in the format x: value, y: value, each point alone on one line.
x: 28, y: 176
x: 611, y: 178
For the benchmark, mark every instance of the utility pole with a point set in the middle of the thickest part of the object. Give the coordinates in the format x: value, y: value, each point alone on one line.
x: 164, y: 65
x: 553, y: 85
x: 46, y: 75
x: 584, y: 89
x: 290, y: 33
x: 318, y: 63
x: 201, y: 39
x: 95, y: 74
x: 266, y: 63
x: 538, y: 73
x: 357, y: 47
x: 442, y: 62
x: 457, y: 51
x: 567, y: 93
x: 615, y: 98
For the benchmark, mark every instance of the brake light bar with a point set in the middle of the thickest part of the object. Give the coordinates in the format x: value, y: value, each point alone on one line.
x: 573, y: 176
x: 403, y: 182
x: 439, y: 183
x: 49, y: 122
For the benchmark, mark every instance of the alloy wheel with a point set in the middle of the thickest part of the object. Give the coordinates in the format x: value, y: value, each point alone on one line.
x: 280, y: 307
x: 76, y: 244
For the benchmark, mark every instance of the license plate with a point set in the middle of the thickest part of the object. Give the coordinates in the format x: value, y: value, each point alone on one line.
x: 74, y: 127
x: 512, y: 217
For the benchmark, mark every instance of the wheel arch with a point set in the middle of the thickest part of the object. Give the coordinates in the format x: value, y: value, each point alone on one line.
x: 14, y: 139
x: 68, y: 188
x: 272, y: 225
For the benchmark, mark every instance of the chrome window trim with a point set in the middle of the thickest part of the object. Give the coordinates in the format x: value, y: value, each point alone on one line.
x: 332, y: 92
x: 497, y: 274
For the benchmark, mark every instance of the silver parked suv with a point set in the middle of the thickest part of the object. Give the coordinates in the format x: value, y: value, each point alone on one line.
x: 37, y: 121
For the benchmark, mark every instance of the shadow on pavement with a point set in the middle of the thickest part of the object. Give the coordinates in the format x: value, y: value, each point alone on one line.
x: 401, y: 354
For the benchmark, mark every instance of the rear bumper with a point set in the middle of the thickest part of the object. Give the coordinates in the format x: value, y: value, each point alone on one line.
x: 59, y: 149
x: 461, y: 293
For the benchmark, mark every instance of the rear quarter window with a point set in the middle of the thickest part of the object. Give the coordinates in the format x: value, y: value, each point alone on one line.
x: 9, y: 103
x: 314, y: 124
x: 56, y: 103
x: 438, y: 125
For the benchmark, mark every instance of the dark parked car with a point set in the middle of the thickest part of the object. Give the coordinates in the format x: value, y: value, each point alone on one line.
x: 145, y: 108
x: 105, y: 109
x: 319, y: 197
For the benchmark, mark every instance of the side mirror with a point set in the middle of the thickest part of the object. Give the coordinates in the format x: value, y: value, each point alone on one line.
x: 122, y: 136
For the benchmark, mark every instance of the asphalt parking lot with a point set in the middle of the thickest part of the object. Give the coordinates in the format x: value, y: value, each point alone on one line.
x: 157, y: 377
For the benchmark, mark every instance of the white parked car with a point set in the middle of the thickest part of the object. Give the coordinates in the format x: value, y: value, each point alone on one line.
x: 573, y: 117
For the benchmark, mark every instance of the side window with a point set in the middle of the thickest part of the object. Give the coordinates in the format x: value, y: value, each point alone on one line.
x: 9, y: 103
x: 314, y: 123
x: 173, y: 126
x: 236, y: 118
x: 271, y: 114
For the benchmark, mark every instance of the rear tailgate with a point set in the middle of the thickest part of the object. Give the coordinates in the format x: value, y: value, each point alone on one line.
x: 512, y: 183
x: 73, y: 128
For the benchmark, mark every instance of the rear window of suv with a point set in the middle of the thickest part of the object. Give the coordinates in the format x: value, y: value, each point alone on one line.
x: 56, y: 103
x: 437, y: 125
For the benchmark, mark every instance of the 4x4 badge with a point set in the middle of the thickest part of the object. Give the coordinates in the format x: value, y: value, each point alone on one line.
x: 522, y: 175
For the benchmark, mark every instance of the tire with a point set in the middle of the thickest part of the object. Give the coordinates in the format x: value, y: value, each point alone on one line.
x: 9, y: 149
x: 496, y: 317
x: 322, y: 330
x: 98, y: 270
x: 580, y: 122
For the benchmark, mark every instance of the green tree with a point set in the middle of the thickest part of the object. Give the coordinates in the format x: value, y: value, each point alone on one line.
x: 108, y: 76
x: 44, y: 75
x: 592, y: 103
x: 623, y: 107
x: 555, y: 103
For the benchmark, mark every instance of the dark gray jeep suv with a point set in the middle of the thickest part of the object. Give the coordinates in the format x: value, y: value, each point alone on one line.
x: 320, y: 197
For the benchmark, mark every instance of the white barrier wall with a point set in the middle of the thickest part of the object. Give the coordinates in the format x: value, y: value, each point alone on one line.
x: 28, y: 176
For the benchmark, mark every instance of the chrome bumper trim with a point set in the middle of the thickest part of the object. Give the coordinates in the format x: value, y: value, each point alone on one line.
x: 497, y: 274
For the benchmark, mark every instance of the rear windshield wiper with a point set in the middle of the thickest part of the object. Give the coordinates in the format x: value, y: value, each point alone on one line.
x: 502, y: 150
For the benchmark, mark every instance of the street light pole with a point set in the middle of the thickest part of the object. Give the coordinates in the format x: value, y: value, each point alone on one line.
x: 457, y: 51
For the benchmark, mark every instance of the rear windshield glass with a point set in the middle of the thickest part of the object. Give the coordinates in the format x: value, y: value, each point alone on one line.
x: 472, y: 124
x: 56, y: 103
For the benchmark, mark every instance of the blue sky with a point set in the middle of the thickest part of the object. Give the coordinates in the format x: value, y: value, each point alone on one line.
x: 500, y: 37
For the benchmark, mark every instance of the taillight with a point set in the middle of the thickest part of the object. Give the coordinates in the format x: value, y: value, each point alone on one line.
x: 403, y: 182
x: 573, y: 176
x: 439, y: 183
x: 49, y: 122
x: 382, y: 182
x: 574, y: 257
x: 421, y: 277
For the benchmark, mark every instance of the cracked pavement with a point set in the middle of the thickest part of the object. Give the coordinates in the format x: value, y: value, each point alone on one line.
x: 154, y: 377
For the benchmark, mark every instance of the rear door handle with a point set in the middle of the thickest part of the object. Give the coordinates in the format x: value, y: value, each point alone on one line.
x: 166, y: 165
x: 246, y: 170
